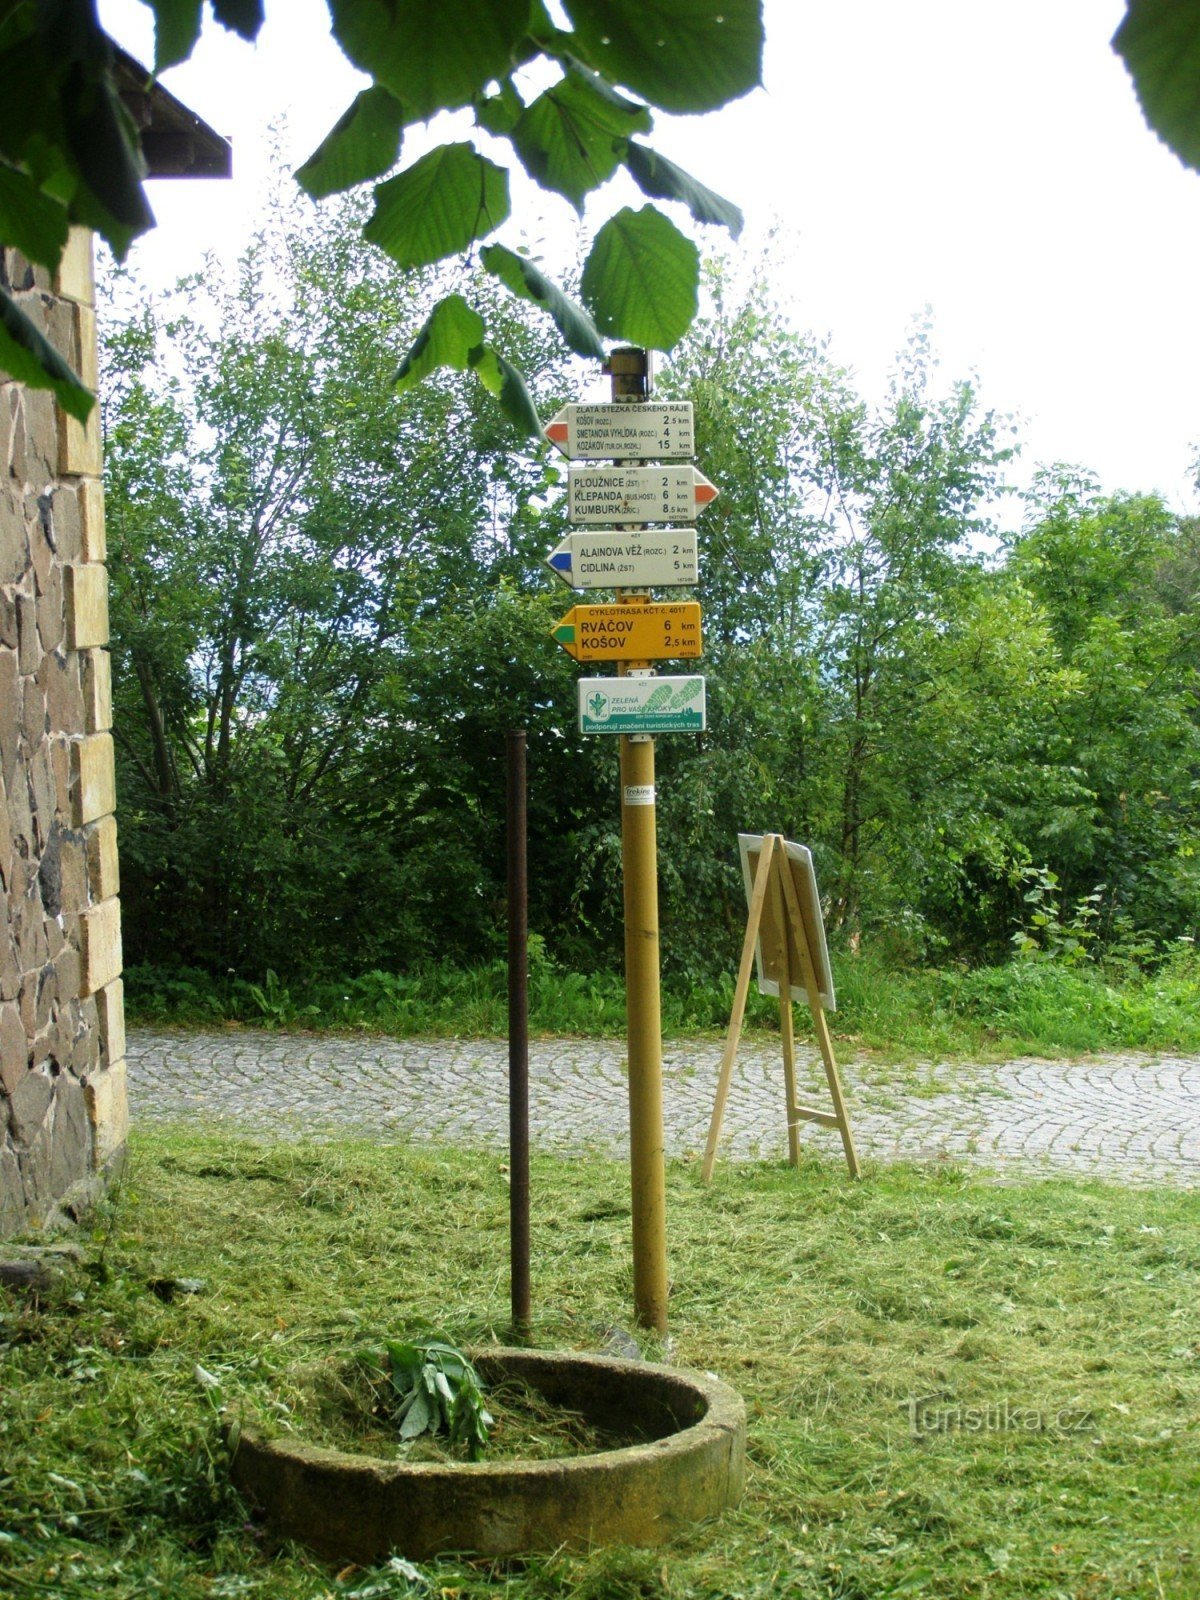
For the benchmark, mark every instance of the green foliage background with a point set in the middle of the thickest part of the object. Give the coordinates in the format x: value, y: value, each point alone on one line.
x: 329, y: 605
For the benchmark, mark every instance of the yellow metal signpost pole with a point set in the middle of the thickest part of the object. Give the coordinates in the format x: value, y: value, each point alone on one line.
x: 630, y: 372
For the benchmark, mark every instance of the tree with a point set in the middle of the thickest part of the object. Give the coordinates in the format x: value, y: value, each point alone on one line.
x: 293, y: 552
x: 69, y: 152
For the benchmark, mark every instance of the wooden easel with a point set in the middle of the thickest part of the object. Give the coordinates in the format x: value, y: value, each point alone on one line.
x: 775, y: 910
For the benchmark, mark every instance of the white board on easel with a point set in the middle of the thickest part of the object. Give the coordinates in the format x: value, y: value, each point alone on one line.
x: 798, y: 862
x: 785, y: 933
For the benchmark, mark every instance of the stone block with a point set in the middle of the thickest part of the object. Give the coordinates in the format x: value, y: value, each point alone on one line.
x: 96, y: 673
x: 110, y: 1021
x: 75, y: 278
x: 60, y: 765
x: 28, y: 1105
x: 29, y: 646
x: 50, y: 618
x: 108, y: 1113
x: 89, y: 497
x: 42, y: 795
x: 9, y: 399
x: 28, y: 922
x: 41, y: 446
x: 64, y: 509
x: 12, y: 1195
x: 9, y: 716
x: 16, y: 459
x: 100, y: 945
x: 14, y: 1046
x: 33, y: 725
x: 34, y: 1160
x: 47, y: 1009
x: 9, y: 637
x: 86, y: 596
x: 6, y: 839
x: 73, y: 866
x: 15, y: 555
x: 10, y: 966
x: 68, y: 970
x: 49, y: 873
x: 85, y: 349
x: 79, y: 449
x: 59, y: 677
x: 85, y: 1053
x: 93, y: 781
x: 27, y: 998
x: 104, y: 879
x: 42, y: 553
x: 71, y: 1146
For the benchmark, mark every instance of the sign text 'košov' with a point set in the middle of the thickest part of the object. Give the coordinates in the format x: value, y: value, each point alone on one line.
x: 637, y: 494
x: 661, y: 559
x: 623, y: 432
x: 631, y: 633
x: 642, y: 705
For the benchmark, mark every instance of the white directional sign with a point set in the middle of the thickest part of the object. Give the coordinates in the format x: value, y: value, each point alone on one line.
x: 642, y: 705
x: 637, y: 494
x: 660, y: 558
x: 615, y: 432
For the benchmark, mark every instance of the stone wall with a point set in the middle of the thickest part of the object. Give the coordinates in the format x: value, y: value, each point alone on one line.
x: 62, y: 1070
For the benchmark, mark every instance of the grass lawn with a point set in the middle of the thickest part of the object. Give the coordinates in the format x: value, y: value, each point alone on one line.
x: 1071, y: 1309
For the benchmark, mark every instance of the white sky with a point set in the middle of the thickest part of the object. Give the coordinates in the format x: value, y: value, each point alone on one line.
x: 988, y: 161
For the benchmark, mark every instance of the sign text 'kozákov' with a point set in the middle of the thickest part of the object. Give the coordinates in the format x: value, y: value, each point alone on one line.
x: 662, y: 558
x: 623, y: 432
x: 642, y: 705
x: 631, y: 633
x: 637, y: 494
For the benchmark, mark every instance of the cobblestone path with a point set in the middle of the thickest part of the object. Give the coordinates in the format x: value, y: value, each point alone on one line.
x: 1131, y: 1117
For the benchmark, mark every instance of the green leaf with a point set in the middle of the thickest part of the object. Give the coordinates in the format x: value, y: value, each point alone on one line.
x: 663, y: 180
x: 431, y: 55
x: 1159, y: 41
x: 452, y: 330
x: 439, y: 206
x: 176, y: 29
x: 29, y: 219
x: 101, y: 137
x: 503, y: 379
x: 499, y: 114
x: 29, y: 357
x: 572, y: 138
x: 520, y: 275
x: 641, y: 280
x: 363, y: 143
x: 683, y: 55
x: 244, y: 17
x: 418, y: 1415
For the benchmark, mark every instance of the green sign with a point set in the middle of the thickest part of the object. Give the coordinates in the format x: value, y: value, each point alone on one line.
x: 642, y: 705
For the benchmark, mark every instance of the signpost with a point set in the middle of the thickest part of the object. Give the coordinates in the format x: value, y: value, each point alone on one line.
x: 623, y: 432
x: 631, y: 632
x: 642, y: 705
x: 637, y: 494
x: 625, y: 554
x: 663, y: 558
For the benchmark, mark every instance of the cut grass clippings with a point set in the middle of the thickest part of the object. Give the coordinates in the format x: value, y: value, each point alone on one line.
x: 954, y: 1389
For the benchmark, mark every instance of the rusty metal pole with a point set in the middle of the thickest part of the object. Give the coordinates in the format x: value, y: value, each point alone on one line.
x: 518, y: 1031
x: 631, y: 381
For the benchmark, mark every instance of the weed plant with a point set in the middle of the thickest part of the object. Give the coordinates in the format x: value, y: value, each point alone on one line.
x: 955, y: 1389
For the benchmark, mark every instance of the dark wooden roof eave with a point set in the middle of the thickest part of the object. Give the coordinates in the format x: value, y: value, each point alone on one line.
x: 175, y: 141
